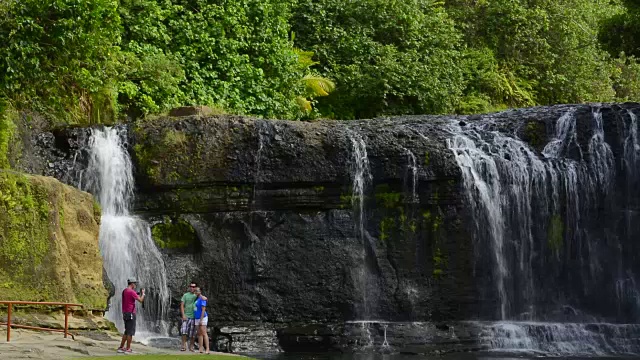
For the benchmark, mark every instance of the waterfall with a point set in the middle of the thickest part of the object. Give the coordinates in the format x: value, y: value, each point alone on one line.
x: 631, y: 150
x: 258, y: 160
x: 482, y: 179
x: 412, y: 169
x: 526, y: 205
x: 545, y: 224
x: 600, y: 155
x: 560, y: 339
x: 565, y: 136
x: 361, y: 175
x: 126, y: 245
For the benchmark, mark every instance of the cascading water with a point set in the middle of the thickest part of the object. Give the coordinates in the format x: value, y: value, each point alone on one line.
x: 484, y: 175
x: 127, y: 247
x: 361, y: 175
x: 558, y: 339
x: 412, y: 175
x: 548, y: 213
x: 258, y: 159
x: 631, y: 148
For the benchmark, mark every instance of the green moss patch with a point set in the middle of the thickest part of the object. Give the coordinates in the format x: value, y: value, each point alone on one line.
x: 24, y: 226
x: 168, y: 154
x: 174, y: 234
x: 387, y: 198
x: 534, y: 133
x: 8, y: 118
x: 555, y: 233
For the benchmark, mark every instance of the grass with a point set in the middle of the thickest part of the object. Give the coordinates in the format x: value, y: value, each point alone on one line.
x: 171, y: 357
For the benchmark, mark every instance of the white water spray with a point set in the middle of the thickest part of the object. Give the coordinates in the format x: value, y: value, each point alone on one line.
x: 514, y: 193
x: 361, y: 176
x: 412, y: 169
x: 565, y: 136
x: 126, y: 244
x: 631, y: 149
x: 560, y: 339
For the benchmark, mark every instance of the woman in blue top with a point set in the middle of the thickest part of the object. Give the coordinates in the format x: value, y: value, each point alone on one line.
x: 202, y: 319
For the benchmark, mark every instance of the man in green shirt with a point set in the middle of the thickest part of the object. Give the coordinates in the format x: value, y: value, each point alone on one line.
x: 188, y: 329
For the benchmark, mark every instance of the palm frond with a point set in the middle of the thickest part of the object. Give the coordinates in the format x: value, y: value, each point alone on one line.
x: 305, y: 58
x: 318, y: 86
x: 305, y: 105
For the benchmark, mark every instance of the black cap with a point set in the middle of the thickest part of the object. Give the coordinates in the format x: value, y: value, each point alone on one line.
x: 131, y: 281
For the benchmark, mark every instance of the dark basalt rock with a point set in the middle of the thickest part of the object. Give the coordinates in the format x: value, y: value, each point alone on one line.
x: 271, y: 204
x: 281, y: 250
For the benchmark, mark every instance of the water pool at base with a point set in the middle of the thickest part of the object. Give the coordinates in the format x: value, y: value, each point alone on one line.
x: 457, y: 356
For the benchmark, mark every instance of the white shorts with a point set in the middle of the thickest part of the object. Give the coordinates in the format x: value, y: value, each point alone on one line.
x: 202, y: 322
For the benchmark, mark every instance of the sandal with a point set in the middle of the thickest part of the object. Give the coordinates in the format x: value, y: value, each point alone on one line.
x: 183, y: 349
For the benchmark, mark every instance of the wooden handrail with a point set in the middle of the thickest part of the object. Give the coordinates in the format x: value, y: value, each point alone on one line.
x: 66, y: 316
x: 39, y: 303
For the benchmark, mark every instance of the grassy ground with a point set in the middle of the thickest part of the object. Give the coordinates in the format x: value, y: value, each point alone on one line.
x: 171, y: 357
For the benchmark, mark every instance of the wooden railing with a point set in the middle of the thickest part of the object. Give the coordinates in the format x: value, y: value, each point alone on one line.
x: 66, y: 317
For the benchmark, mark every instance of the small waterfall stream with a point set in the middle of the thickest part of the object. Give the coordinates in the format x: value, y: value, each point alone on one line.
x: 127, y: 247
x: 412, y: 175
x: 361, y: 176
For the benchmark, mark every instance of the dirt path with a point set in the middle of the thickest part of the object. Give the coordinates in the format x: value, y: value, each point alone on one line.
x: 53, y: 346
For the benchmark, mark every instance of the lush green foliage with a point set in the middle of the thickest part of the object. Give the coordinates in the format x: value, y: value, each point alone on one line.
x: 387, y: 57
x: 98, y: 60
x: 535, y: 52
x: 314, y: 84
x: 235, y: 54
x: 620, y: 35
x: 59, y: 55
x: 621, y: 32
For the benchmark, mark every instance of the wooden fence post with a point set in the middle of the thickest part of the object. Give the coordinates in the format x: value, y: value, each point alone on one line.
x: 66, y: 320
x: 9, y: 323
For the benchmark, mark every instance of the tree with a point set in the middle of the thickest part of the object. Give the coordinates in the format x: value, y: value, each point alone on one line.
x: 621, y: 32
x: 386, y: 57
x: 544, y: 51
x: 60, y: 56
x: 235, y: 54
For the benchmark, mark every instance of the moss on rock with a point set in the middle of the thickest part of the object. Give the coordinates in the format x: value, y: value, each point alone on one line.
x: 8, y: 118
x: 174, y: 234
x: 555, y: 233
x: 167, y: 150
x: 534, y: 133
x: 40, y: 260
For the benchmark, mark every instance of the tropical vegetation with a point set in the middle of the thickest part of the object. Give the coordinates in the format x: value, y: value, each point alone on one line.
x: 90, y: 61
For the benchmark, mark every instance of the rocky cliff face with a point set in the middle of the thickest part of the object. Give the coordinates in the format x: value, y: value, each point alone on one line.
x: 49, y: 242
x: 521, y: 215
x: 276, y: 237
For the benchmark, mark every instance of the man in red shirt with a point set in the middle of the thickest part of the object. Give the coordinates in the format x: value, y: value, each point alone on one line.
x: 129, y: 297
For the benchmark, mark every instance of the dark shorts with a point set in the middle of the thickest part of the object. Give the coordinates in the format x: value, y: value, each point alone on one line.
x: 129, y: 324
